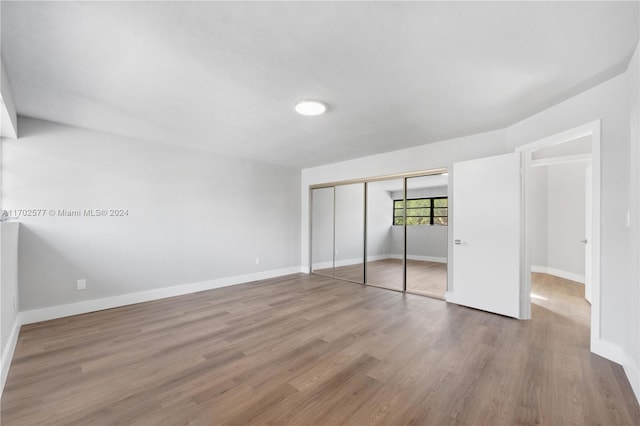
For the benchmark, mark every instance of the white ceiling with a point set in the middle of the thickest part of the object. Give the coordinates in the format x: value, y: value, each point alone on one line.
x: 223, y: 76
x: 574, y: 147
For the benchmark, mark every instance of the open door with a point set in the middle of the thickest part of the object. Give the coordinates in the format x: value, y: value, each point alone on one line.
x: 487, y: 234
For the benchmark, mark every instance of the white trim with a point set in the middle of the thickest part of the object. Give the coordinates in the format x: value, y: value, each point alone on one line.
x: 558, y: 273
x: 346, y: 262
x: 349, y: 262
x: 608, y: 350
x: 321, y: 265
x: 421, y: 258
x: 633, y: 375
x: 7, y: 354
x: 565, y: 159
x: 616, y: 354
x: 378, y: 257
x: 60, y: 311
x: 450, y: 297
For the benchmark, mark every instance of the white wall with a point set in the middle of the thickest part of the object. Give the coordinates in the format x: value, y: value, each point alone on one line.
x: 566, y: 219
x: 633, y: 330
x: 8, y: 278
x: 322, y: 227
x: 538, y: 217
x: 193, y: 215
x: 8, y: 296
x: 424, y: 242
x: 558, y: 220
x: 8, y: 116
x: 379, y: 222
x: 608, y: 102
x: 349, y: 223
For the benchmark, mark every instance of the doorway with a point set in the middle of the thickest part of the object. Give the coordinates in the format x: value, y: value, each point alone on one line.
x: 559, y: 225
x: 560, y: 149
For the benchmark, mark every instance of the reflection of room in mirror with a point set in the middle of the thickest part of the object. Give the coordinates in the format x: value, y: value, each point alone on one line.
x: 338, y: 227
x: 349, y: 232
x: 322, y: 200
x: 381, y: 272
x: 427, y: 235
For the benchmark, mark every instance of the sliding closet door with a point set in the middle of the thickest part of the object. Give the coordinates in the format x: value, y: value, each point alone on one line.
x: 322, y: 231
x: 385, y: 234
x: 349, y: 232
x: 427, y: 235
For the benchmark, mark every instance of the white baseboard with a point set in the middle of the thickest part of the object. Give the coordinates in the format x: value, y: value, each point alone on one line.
x: 608, y: 350
x: 378, y: 257
x: 616, y: 354
x: 60, y: 311
x: 633, y: 374
x: 7, y: 354
x: 348, y: 262
x: 450, y: 297
x: 421, y: 258
x: 558, y: 273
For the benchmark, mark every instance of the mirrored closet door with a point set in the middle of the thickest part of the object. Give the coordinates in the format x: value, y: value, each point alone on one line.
x: 349, y: 232
x: 322, y: 230
x: 390, y: 233
x: 385, y: 234
x: 427, y: 235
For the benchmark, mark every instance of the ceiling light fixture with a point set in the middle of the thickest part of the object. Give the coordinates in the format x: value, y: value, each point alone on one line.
x: 310, y: 107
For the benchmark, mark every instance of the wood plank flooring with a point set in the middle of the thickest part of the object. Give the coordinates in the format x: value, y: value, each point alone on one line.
x: 309, y: 350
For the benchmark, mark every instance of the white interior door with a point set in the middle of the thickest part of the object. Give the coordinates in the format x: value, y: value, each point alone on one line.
x: 588, y: 221
x: 487, y: 234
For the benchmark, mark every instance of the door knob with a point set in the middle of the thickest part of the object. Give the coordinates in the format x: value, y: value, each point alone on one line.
x: 584, y: 241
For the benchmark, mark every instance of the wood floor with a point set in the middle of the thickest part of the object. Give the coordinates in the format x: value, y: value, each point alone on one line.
x: 424, y: 278
x: 307, y: 350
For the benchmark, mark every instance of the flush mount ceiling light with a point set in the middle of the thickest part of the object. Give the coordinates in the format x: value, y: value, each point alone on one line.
x: 311, y: 107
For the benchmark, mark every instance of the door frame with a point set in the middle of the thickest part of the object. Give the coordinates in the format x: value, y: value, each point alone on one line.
x: 589, y: 129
